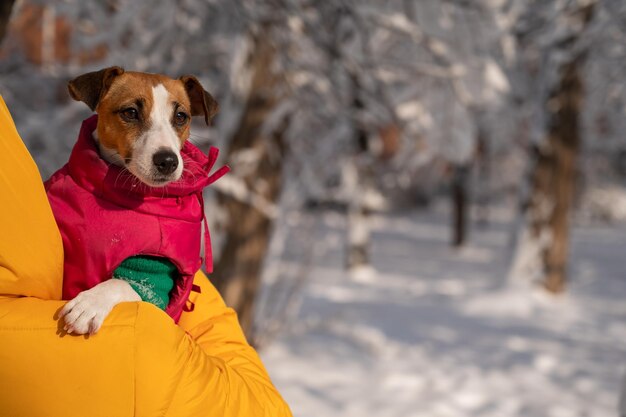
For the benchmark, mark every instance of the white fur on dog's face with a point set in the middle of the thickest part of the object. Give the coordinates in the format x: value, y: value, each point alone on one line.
x: 159, y: 136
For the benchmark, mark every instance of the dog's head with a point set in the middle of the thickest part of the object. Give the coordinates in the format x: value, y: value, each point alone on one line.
x: 143, y: 119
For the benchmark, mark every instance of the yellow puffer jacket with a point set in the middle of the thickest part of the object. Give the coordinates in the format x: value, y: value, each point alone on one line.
x: 140, y: 363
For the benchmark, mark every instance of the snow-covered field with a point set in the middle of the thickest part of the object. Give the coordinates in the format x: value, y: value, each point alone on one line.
x: 440, y: 332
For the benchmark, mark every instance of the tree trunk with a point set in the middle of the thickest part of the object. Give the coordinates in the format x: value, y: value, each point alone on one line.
x: 358, y: 221
x: 553, y: 180
x: 555, y: 174
x: 483, y: 191
x: 238, y: 271
x: 358, y: 253
x: 354, y: 177
x: 5, y: 14
x: 459, y: 204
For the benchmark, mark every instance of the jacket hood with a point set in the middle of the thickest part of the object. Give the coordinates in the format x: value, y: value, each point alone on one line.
x: 116, y: 183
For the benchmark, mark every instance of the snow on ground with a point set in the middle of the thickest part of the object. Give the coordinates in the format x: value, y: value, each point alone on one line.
x: 435, y: 331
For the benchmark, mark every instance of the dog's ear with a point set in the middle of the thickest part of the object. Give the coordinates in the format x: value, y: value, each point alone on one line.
x: 201, y: 101
x: 91, y: 87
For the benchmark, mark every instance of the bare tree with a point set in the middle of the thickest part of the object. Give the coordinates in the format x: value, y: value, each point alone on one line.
x: 555, y: 172
x: 248, y: 230
x: 555, y: 155
x: 5, y: 13
x: 459, y: 191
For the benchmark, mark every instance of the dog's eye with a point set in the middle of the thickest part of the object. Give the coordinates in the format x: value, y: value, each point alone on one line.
x: 180, y: 118
x: 130, y: 114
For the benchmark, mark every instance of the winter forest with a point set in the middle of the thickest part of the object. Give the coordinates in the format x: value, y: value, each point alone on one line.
x: 426, y: 213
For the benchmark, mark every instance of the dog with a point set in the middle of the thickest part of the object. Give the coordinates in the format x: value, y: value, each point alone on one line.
x: 133, y: 185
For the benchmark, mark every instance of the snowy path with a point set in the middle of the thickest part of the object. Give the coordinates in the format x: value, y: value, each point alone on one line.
x: 435, y: 332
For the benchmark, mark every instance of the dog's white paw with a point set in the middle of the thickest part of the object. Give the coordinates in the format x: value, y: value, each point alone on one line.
x: 86, y: 312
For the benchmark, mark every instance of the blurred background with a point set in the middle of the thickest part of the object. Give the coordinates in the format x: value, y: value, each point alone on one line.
x: 426, y: 210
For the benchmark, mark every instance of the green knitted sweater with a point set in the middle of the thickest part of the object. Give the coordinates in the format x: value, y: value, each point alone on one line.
x: 150, y: 276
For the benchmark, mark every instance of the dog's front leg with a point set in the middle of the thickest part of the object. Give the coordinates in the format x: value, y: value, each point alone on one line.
x: 87, y: 311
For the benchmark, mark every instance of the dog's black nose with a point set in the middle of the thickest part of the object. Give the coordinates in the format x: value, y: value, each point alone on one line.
x: 165, y: 161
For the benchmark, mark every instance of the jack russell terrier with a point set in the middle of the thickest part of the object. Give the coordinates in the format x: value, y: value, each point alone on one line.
x: 129, y: 201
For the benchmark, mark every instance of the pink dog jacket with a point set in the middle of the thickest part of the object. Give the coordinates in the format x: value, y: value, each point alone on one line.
x: 106, y: 215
